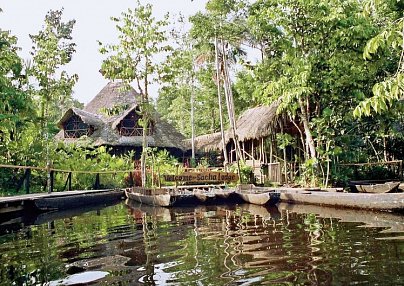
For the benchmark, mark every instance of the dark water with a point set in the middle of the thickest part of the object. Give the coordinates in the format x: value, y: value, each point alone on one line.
x: 210, y: 245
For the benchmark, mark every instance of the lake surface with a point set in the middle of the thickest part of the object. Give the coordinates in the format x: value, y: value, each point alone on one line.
x: 207, y: 245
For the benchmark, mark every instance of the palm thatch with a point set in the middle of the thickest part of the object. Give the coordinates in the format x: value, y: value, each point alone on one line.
x: 106, y: 126
x: 112, y: 95
x: 257, y: 122
x: 207, y: 142
x: 254, y: 123
x: 87, y: 117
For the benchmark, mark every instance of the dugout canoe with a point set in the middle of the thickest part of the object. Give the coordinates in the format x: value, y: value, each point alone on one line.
x: 163, y: 197
x: 384, y: 201
x: 374, y: 188
x: 257, y: 195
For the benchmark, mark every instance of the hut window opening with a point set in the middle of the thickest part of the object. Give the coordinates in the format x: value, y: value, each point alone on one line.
x: 75, y: 128
x: 129, y: 126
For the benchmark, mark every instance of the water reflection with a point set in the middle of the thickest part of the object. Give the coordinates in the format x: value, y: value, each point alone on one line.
x: 208, y: 245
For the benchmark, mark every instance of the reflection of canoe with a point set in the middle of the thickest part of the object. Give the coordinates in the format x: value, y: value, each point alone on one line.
x: 393, y: 222
x: 160, y: 197
x: 370, y: 187
x: 137, y: 210
x: 266, y: 212
x: 258, y: 196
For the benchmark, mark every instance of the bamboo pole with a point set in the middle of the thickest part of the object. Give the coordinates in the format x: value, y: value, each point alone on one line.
x: 219, y: 95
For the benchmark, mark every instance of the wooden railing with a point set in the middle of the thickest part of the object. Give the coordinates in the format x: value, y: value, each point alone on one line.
x: 133, y: 131
x: 77, y: 133
x: 25, y: 181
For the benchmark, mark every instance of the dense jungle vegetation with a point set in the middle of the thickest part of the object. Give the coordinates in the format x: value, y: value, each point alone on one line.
x: 336, y: 66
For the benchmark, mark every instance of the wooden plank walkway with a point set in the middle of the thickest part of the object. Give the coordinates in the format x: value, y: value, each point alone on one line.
x: 31, y: 197
x: 58, y: 200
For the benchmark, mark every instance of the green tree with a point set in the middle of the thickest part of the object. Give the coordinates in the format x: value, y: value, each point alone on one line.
x: 388, y: 44
x: 178, y: 76
x: 312, y: 64
x: 220, y: 30
x: 52, y: 49
x: 133, y: 59
x: 16, y: 104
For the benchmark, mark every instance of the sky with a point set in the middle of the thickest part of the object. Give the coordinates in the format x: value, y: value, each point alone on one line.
x: 24, y: 17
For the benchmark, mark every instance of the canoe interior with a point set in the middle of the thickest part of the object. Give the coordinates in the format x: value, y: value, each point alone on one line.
x: 372, y: 187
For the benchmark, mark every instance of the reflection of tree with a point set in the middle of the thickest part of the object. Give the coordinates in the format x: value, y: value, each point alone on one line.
x: 213, y: 245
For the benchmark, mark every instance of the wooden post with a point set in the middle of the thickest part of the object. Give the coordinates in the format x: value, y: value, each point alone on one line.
x: 51, y: 181
x: 176, y: 173
x: 400, y: 170
x: 69, y: 178
x: 270, y: 151
x: 68, y: 183
x: 252, y: 151
x: 27, y: 177
x: 131, y: 181
x: 97, y: 182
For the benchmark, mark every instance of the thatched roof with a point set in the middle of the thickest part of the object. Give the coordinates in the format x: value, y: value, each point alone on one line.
x: 165, y: 135
x: 87, y: 117
x: 256, y: 122
x: 113, y: 94
x: 207, y: 142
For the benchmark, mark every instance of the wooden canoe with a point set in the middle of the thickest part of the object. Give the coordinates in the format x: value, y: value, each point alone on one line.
x: 163, y: 197
x: 153, y: 197
x: 258, y: 196
x: 376, y: 188
x: 223, y: 193
x: 204, y: 196
x: 382, y: 201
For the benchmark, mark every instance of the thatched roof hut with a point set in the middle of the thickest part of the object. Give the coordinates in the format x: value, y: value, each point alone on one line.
x: 208, y: 142
x: 111, y: 119
x: 257, y: 122
x: 254, y: 123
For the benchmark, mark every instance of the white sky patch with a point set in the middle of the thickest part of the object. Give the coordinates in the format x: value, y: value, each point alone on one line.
x: 93, y: 23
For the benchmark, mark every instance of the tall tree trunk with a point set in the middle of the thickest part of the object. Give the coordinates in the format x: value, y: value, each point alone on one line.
x: 307, y: 131
x: 230, y: 105
x: 192, y: 125
x: 144, y: 144
x: 145, y: 118
x: 219, y: 97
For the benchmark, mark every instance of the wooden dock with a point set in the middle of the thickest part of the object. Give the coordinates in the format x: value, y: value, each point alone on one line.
x: 58, y: 200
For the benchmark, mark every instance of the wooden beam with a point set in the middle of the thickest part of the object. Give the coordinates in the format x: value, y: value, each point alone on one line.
x: 27, y: 178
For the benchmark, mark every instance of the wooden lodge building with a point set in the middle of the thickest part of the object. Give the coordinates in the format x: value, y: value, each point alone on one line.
x: 111, y: 119
x: 256, y: 132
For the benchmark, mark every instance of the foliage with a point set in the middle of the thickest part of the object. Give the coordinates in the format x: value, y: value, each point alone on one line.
x: 16, y: 109
x: 141, y: 39
x: 52, y: 49
x: 329, y: 64
x: 388, y: 44
x: 162, y: 163
x: 246, y: 173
